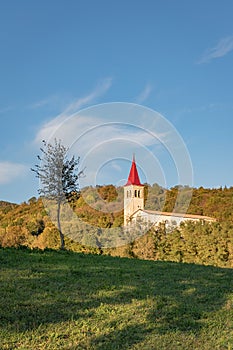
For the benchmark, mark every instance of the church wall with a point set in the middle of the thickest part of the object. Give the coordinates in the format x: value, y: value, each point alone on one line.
x: 157, y: 218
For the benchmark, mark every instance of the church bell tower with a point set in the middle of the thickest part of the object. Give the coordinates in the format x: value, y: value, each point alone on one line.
x: 133, y: 194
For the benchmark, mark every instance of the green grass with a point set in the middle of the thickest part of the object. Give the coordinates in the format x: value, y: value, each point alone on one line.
x: 64, y: 300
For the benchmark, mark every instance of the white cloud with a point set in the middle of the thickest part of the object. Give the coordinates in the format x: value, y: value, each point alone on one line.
x: 144, y: 94
x: 52, y: 100
x: 105, y: 126
x: 112, y: 131
x: 116, y: 166
x: 223, y: 47
x: 10, y: 171
x: 50, y: 128
x: 101, y: 88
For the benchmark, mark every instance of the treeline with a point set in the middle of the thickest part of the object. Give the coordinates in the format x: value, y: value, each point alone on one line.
x: 102, y: 207
x: 217, y: 203
x: 199, y: 243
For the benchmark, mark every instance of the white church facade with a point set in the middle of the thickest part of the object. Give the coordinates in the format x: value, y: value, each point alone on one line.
x: 134, y: 206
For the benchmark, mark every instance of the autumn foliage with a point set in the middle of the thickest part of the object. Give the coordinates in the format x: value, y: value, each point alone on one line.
x: 28, y: 224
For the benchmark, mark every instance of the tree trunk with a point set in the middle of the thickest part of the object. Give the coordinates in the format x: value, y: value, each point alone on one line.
x: 62, y: 240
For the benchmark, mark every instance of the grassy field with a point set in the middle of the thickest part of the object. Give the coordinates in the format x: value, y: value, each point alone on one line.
x: 64, y: 300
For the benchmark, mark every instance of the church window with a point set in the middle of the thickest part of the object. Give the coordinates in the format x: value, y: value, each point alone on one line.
x: 138, y: 193
x: 135, y: 193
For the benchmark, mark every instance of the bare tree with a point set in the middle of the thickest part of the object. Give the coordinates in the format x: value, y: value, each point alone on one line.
x: 59, y: 177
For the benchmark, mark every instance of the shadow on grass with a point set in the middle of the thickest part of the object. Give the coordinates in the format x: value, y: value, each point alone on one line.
x: 42, y: 288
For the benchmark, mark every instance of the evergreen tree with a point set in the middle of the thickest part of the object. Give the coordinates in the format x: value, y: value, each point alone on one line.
x: 59, y: 177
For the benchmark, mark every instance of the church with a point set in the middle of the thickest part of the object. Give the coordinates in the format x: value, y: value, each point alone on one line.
x: 134, y: 206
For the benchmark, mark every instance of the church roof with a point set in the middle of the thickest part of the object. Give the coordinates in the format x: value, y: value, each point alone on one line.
x: 133, y: 178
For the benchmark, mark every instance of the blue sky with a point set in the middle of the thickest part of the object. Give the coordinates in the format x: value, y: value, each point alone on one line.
x: 174, y: 57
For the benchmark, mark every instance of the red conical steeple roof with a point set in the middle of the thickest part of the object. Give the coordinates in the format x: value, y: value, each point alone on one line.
x: 133, y: 178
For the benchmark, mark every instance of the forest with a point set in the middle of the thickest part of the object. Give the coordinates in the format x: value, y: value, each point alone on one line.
x: 28, y: 224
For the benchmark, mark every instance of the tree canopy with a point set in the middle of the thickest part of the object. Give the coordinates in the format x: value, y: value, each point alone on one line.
x: 58, y: 175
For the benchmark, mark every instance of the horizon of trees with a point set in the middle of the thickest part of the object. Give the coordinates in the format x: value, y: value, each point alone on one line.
x: 29, y: 224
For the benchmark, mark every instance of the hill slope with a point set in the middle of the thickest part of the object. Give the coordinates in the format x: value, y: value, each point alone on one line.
x: 29, y: 225
x: 64, y: 300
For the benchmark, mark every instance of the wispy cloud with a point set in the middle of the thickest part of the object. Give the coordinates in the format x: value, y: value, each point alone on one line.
x: 116, y: 166
x: 54, y: 100
x: 10, y: 171
x: 51, y: 100
x: 223, y: 47
x: 113, y: 131
x: 49, y: 128
x: 101, y: 88
x: 145, y: 93
x: 6, y: 109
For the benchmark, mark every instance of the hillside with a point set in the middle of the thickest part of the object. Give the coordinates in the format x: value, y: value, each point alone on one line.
x: 28, y: 224
x: 4, y: 204
x: 63, y: 300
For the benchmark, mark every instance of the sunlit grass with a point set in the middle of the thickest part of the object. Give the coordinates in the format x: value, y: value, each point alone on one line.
x: 63, y: 300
